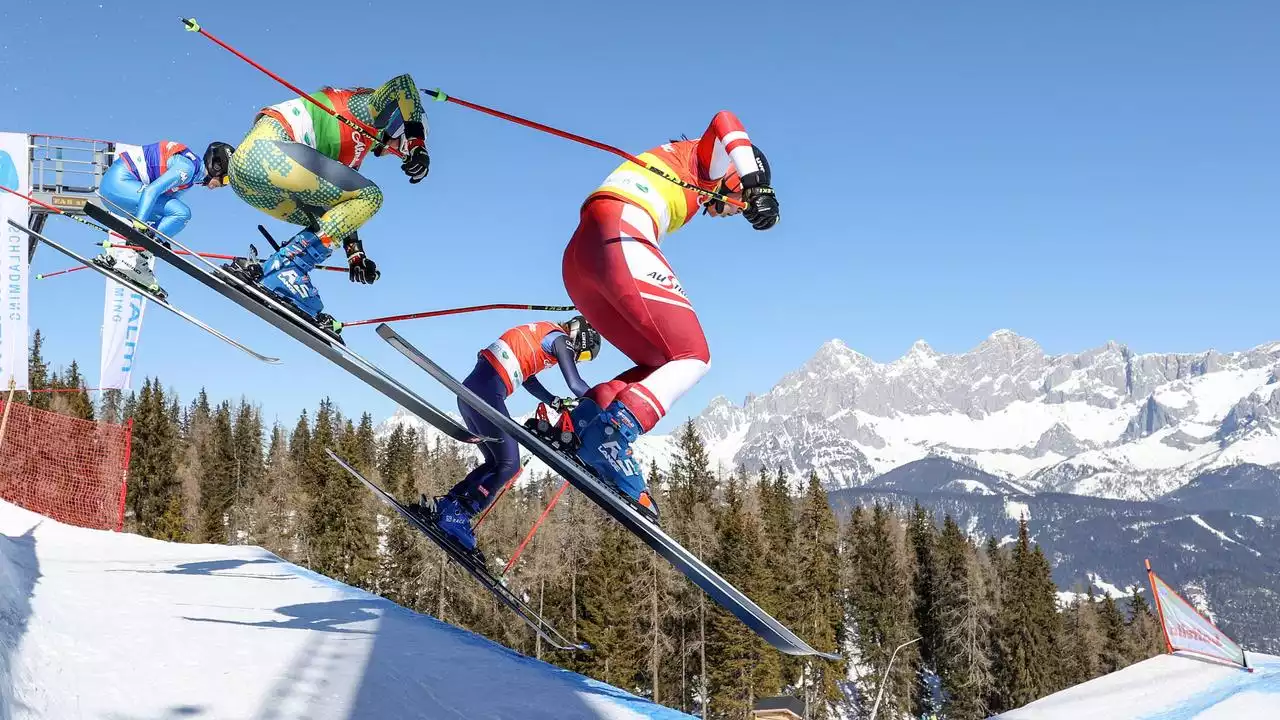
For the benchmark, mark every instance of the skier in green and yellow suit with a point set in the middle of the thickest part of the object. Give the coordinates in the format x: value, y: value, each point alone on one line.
x: 299, y: 164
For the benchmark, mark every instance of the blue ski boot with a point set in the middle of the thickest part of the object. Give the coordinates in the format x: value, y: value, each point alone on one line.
x: 287, y: 275
x: 453, y: 518
x: 606, y: 448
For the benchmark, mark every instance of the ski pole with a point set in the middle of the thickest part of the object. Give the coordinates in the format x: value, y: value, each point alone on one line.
x: 460, y: 310
x: 61, y: 272
x: 56, y: 209
x: 353, y: 123
x: 442, y: 96
x: 554, y: 499
x: 503, y: 491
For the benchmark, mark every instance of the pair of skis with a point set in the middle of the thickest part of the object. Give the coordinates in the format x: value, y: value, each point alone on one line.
x: 144, y: 292
x: 470, y: 563
x: 271, y: 310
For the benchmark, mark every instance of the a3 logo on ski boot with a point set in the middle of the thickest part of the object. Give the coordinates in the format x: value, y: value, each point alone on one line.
x: 620, y: 461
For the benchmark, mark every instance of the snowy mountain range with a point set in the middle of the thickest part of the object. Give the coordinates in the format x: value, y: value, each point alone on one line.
x: 1106, y: 422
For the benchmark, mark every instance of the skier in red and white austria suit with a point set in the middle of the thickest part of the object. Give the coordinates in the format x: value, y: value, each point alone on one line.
x: 621, y: 282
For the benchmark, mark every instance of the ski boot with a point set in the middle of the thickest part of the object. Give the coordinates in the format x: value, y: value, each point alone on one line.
x: 138, y: 266
x: 606, y: 437
x: 286, y: 275
x: 453, y: 518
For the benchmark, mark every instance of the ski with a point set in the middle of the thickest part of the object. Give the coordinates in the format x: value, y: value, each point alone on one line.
x: 129, y: 283
x: 272, y: 311
x: 477, y: 570
x: 720, y: 590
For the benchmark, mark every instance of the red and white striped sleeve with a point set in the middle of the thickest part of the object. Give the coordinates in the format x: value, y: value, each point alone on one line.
x: 725, y: 146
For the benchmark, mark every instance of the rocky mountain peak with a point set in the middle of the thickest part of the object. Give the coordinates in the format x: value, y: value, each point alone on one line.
x: 1106, y: 420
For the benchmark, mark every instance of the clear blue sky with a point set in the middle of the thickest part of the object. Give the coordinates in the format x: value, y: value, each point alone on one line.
x: 1076, y: 172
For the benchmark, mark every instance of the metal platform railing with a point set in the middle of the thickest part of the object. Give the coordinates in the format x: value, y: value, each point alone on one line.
x: 66, y: 172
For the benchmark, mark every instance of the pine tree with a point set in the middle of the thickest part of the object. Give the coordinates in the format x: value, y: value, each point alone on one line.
x: 37, y: 375
x: 365, y: 446
x: 339, y: 523
x: 689, y: 516
x: 1026, y: 627
x: 1146, y: 639
x: 734, y: 652
x: 111, y: 409
x: 155, y: 494
x: 130, y: 406
x: 73, y: 399
x: 200, y: 466
x: 999, y: 560
x: 1082, y: 639
x: 654, y: 586
x: 276, y: 514
x: 249, y: 470
x: 217, y: 477
x: 692, y: 482
x: 608, y: 615
x: 882, y: 607
x: 357, y: 537
x: 963, y: 619
x: 1115, y: 640
x: 300, y: 441
x: 778, y: 516
x: 921, y: 539
x: 403, y: 564
x: 818, y: 591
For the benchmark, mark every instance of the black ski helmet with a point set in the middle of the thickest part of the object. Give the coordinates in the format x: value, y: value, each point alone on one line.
x: 584, y: 339
x: 217, y: 162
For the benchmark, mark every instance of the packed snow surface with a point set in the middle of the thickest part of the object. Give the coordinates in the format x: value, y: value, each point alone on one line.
x: 1168, y: 687
x: 107, y: 626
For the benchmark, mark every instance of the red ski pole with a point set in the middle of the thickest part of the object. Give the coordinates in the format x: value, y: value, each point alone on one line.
x: 554, y: 499
x: 56, y: 209
x: 460, y: 310
x: 503, y: 491
x: 353, y: 123
x: 61, y: 272
x: 442, y: 96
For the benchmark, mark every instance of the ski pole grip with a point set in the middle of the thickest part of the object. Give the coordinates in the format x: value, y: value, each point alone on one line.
x: 190, y: 24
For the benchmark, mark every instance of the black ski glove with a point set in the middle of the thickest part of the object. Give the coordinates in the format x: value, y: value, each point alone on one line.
x: 360, y: 269
x: 762, y: 207
x: 416, y: 161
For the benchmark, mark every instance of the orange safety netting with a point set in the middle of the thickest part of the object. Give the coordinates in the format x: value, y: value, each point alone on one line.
x: 71, y: 470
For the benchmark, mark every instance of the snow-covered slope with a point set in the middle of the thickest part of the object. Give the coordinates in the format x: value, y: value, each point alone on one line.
x: 1168, y: 687
x: 102, y: 625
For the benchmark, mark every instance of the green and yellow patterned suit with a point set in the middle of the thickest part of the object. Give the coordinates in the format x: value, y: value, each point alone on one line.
x: 298, y: 163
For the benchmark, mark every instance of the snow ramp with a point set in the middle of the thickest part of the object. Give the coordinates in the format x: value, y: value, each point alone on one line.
x: 1168, y: 687
x: 109, y: 626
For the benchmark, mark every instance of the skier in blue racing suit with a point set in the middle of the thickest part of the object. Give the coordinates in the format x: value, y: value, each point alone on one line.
x: 148, y: 183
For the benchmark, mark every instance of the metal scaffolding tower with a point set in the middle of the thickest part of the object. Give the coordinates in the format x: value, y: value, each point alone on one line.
x: 66, y: 172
